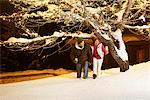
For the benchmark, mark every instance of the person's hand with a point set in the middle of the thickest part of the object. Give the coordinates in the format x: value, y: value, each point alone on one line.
x: 89, y: 63
x: 75, y: 60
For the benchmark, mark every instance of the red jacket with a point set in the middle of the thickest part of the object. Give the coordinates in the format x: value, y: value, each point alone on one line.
x: 98, y: 51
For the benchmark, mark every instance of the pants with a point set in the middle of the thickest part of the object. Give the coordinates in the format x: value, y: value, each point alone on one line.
x: 97, y: 64
x: 79, y: 70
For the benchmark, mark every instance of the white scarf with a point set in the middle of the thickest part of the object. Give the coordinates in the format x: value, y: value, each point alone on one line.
x: 78, y: 47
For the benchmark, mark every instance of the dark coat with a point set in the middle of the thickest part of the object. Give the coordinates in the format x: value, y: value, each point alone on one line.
x: 83, y: 55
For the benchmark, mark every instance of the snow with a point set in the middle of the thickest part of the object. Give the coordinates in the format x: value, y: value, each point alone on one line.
x: 58, y: 34
x: 21, y: 40
x: 143, y: 18
x: 92, y: 10
x: 133, y: 84
x: 122, y: 49
x: 138, y: 27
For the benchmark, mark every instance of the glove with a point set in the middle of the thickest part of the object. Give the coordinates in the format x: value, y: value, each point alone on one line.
x: 75, y: 60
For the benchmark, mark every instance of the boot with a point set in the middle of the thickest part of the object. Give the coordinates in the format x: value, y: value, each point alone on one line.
x: 94, y: 76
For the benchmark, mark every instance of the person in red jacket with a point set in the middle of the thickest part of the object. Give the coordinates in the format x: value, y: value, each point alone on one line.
x: 98, y: 53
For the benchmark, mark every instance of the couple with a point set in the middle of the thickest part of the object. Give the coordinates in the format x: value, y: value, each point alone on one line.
x: 83, y: 55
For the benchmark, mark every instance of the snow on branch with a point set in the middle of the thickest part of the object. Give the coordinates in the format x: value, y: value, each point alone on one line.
x: 137, y: 27
x: 30, y: 44
x: 36, y: 13
x: 38, y: 42
x: 121, y: 51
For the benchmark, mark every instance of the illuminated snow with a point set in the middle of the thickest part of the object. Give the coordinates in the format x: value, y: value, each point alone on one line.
x: 122, y: 49
x: 133, y: 84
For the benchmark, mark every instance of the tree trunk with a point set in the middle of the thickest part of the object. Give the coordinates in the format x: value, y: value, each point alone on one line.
x: 124, y: 65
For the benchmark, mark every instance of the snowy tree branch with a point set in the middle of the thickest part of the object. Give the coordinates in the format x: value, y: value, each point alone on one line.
x: 137, y: 27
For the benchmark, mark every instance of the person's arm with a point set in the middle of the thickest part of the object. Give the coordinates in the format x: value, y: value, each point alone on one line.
x: 73, y: 55
x: 105, y: 49
x: 89, y: 54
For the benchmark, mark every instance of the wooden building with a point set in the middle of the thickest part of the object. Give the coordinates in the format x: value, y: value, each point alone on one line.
x: 138, y: 48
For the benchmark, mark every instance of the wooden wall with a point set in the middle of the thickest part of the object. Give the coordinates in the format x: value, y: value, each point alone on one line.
x: 138, y: 52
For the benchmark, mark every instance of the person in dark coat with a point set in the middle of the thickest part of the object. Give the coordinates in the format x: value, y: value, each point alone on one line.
x: 81, y: 55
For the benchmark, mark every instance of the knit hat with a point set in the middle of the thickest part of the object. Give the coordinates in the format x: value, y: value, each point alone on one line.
x: 79, y: 39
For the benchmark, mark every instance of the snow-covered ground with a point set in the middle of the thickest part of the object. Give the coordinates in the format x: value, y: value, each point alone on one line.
x: 133, y: 84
